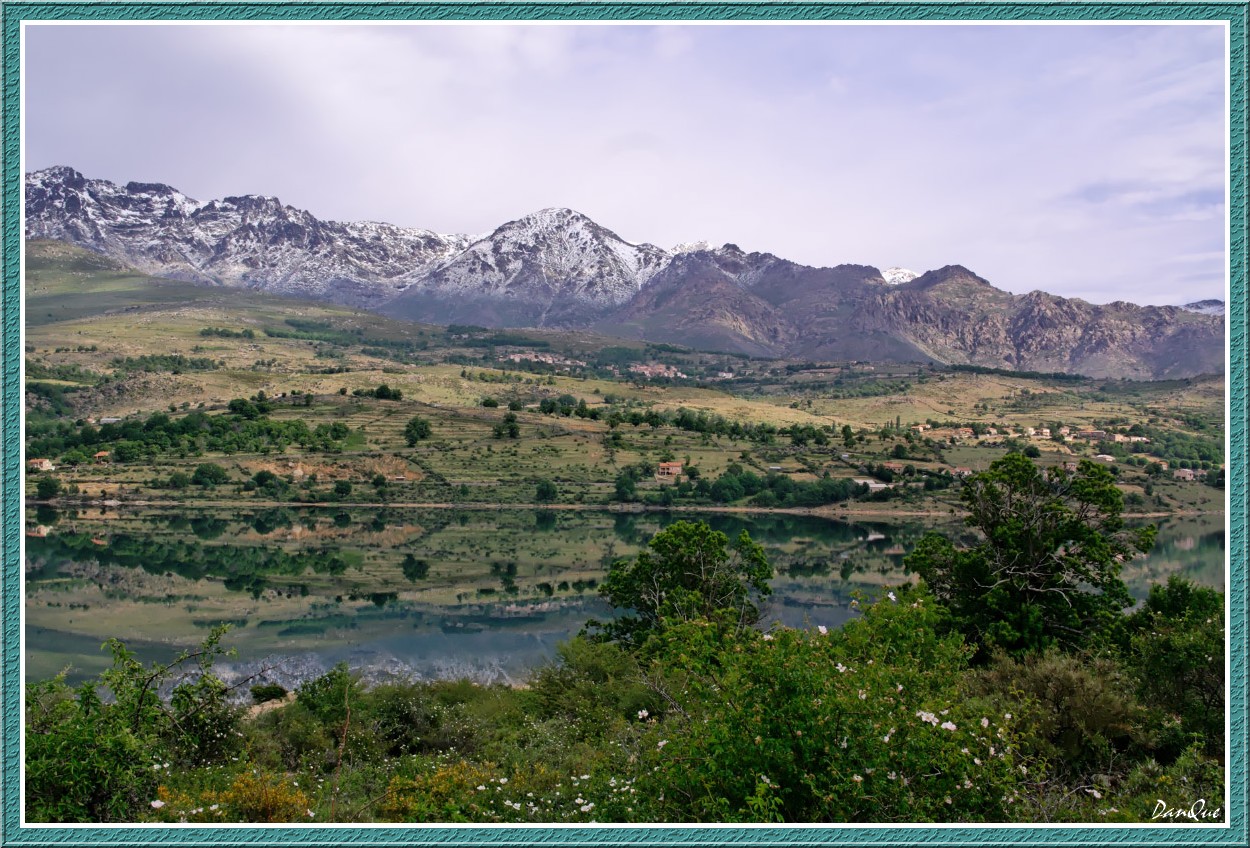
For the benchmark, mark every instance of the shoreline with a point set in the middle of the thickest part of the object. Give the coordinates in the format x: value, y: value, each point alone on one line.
x: 832, y: 511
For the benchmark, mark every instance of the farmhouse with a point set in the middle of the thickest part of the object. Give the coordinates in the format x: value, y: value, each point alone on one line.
x: 669, y: 469
x: 40, y: 465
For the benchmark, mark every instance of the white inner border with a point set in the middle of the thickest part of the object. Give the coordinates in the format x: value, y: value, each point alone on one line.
x: 21, y: 437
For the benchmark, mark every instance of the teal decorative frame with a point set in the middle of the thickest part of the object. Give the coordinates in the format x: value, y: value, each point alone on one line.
x: 12, y: 14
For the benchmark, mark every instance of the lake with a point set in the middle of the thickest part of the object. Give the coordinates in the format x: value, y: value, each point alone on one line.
x: 485, y: 594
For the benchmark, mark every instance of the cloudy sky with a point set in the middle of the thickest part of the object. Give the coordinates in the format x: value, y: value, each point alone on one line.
x: 1087, y: 161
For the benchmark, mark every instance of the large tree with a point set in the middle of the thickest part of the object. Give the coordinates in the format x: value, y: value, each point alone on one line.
x: 687, y: 571
x: 1047, y: 568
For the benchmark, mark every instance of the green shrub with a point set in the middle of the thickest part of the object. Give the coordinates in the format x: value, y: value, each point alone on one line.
x: 862, y: 724
x: 1080, y: 714
x: 267, y: 692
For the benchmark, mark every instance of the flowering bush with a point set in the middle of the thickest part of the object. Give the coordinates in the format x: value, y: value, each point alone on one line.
x: 862, y: 724
x: 263, y: 798
x: 90, y: 758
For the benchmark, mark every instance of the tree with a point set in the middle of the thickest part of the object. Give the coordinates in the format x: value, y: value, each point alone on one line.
x: 1175, y: 646
x: 546, y: 492
x: 47, y: 488
x: 209, y: 474
x: 508, y: 428
x: 415, y: 569
x: 626, y: 486
x: 687, y: 571
x: 1047, y: 570
x: 416, y: 430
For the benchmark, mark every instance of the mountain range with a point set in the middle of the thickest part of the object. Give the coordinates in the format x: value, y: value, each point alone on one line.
x: 558, y: 268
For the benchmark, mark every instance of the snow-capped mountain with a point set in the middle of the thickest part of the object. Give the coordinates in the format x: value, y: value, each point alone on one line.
x: 250, y: 241
x: 898, y: 276
x: 1205, y: 307
x: 552, y: 267
x: 549, y: 255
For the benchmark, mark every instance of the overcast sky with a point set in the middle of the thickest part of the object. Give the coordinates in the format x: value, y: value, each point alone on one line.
x: 1087, y: 161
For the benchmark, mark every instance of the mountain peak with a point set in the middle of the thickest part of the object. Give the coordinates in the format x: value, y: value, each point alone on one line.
x: 1205, y: 307
x: 950, y: 274
x: 897, y: 276
x: 57, y: 172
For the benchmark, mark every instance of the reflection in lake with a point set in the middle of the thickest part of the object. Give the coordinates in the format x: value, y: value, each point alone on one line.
x: 435, y: 593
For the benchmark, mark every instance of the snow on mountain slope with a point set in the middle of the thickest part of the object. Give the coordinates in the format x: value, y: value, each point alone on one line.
x: 898, y: 276
x: 1205, y: 307
x: 251, y: 240
x: 549, y: 255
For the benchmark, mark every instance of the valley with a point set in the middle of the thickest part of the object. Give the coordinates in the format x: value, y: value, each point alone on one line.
x: 232, y: 456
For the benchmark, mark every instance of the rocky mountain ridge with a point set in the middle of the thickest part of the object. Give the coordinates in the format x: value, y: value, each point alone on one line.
x: 558, y: 268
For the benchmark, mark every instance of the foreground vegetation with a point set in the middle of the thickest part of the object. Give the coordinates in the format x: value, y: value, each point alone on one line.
x: 936, y: 704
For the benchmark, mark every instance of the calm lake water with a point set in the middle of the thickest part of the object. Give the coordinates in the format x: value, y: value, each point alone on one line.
x: 427, y: 593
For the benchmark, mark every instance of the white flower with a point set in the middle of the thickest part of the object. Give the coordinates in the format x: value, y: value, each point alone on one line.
x: 481, y: 789
x: 213, y: 807
x: 822, y: 630
x: 891, y: 596
x: 857, y: 778
x: 841, y: 668
x: 885, y: 738
x: 503, y: 780
x: 311, y: 814
x: 1007, y: 716
x: 985, y: 722
x: 156, y: 805
x: 946, y: 725
x: 586, y: 808
x: 976, y: 760
x: 585, y: 777
x: 768, y: 637
x: 662, y: 743
x: 643, y: 714
x: 1097, y: 795
x: 863, y: 696
x: 900, y: 688
x: 948, y: 799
